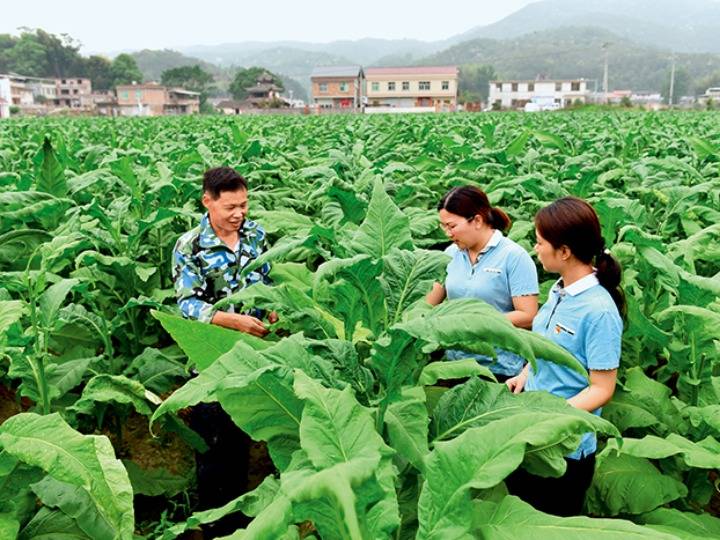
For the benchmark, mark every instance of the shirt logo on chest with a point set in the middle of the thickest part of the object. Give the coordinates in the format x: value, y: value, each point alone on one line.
x: 562, y: 328
x: 493, y: 270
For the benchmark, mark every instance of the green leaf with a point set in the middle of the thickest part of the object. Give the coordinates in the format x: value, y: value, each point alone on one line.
x: 9, y: 527
x: 49, y: 524
x: 52, y: 299
x: 75, y: 502
x: 452, y: 369
x: 482, y: 457
x: 517, y: 520
x: 684, y: 525
x: 384, y: 227
x: 704, y: 454
x: 51, y: 176
x: 408, y: 276
x: 204, y: 343
x: 10, y: 312
x: 630, y: 485
x: 407, y: 426
x: 85, y: 461
x: 155, y: 482
x: 115, y: 389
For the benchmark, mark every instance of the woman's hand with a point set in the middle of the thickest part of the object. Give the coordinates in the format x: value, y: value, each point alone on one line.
x: 517, y: 383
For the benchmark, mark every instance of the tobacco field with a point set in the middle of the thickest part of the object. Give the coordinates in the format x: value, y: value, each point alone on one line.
x: 95, y: 361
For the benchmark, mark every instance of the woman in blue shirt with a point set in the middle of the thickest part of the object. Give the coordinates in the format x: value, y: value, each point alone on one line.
x: 583, y: 315
x: 486, y: 265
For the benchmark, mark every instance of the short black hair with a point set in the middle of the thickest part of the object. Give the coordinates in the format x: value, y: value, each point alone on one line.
x: 220, y: 179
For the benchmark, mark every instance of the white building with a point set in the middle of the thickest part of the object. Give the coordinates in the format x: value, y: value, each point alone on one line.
x: 5, y: 97
x: 544, y: 93
x: 428, y: 88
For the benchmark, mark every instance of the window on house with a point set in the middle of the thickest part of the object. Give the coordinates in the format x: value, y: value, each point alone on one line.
x: 446, y: 85
x: 391, y: 86
x: 375, y: 86
x: 406, y: 85
x: 343, y: 87
x: 531, y: 87
x: 76, y: 91
x: 124, y: 94
x: 323, y: 87
x: 79, y: 81
x: 558, y: 87
x: 64, y: 81
x: 498, y: 87
x: 138, y: 94
x: 424, y: 85
x: 575, y: 87
x: 64, y: 92
x: 514, y: 87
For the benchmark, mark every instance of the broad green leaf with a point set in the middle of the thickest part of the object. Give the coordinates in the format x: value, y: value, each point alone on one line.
x: 49, y: 524
x: 75, y: 502
x: 452, y: 369
x: 514, y: 519
x: 52, y: 299
x: 704, y: 454
x: 51, y: 174
x: 10, y: 312
x: 155, y: 482
x: 85, y: 461
x: 626, y: 484
x: 204, y: 343
x: 482, y: 457
x: 408, y: 276
x: 384, y: 227
x: 115, y: 389
x: 684, y: 525
x: 9, y: 526
x: 240, y: 360
x: 407, y: 425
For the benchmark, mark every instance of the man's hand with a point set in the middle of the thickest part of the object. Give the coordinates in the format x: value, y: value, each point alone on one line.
x: 273, y: 317
x: 242, y: 323
x: 517, y: 383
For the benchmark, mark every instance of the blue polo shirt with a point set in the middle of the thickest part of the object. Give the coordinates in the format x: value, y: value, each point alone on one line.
x: 503, y: 270
x: 584, y: 320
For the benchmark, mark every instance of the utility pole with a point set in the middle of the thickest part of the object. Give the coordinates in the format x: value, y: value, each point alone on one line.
x: 672, y: 83
x: 605, y: 47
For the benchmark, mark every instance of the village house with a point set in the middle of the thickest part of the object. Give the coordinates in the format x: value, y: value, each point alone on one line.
x: 73, y: 93
x: 424, y: 88
x: 711, y: 95
x: 153, y: 99
x: 515, y: 94
x: 338, y: 87
x: 263, y: 94
x: 28, y: 94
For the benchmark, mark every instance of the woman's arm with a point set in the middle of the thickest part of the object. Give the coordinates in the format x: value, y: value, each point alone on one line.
x: 526, y: 307
x: 600, y: 391
x: 437, y: 295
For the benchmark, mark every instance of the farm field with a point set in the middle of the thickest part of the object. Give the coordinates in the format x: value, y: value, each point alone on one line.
x: 95, y: 361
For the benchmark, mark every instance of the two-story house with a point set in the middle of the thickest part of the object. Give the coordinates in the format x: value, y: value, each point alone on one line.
x: 412, y: 87
x: 515, y: 94
x: 338, y: 87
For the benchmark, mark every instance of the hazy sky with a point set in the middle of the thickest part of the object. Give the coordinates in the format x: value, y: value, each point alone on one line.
x: 104, y: 26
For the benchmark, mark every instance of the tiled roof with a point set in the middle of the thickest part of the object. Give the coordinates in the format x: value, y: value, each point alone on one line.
x: 336, y: 71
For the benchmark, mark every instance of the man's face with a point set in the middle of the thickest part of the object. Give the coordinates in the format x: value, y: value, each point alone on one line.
x: 228, y: 211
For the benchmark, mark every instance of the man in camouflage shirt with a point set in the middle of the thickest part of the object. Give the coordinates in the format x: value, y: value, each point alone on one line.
x: 209, y: 259
x: 207, y: 265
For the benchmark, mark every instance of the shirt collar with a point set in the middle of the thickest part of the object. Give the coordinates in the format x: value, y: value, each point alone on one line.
x: 209, y: 239
x: 580, y: 286
x: 494, y: 241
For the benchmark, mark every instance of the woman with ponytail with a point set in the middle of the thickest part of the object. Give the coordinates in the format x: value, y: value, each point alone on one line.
x: 486, y: 265
x: 583, y: 314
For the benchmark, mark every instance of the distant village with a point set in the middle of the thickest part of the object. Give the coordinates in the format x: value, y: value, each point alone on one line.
x: 334, y: 89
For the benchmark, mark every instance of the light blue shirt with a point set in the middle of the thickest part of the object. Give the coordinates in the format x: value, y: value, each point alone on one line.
x: 503, y: 270
x: 584, y: 320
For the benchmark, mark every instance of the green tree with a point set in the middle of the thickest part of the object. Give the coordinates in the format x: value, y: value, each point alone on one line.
x: 28, y: 57
x: 474, y: 82
x: 125, y: 70
x: 192, y: 78
x: 246, y: 77
x: 99, y: 70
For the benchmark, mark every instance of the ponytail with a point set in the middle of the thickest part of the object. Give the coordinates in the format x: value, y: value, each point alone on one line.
x: 498, y: 219
x: 609, y: 274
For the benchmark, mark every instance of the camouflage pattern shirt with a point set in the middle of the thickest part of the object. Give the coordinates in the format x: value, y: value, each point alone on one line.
x: 206, y: 270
